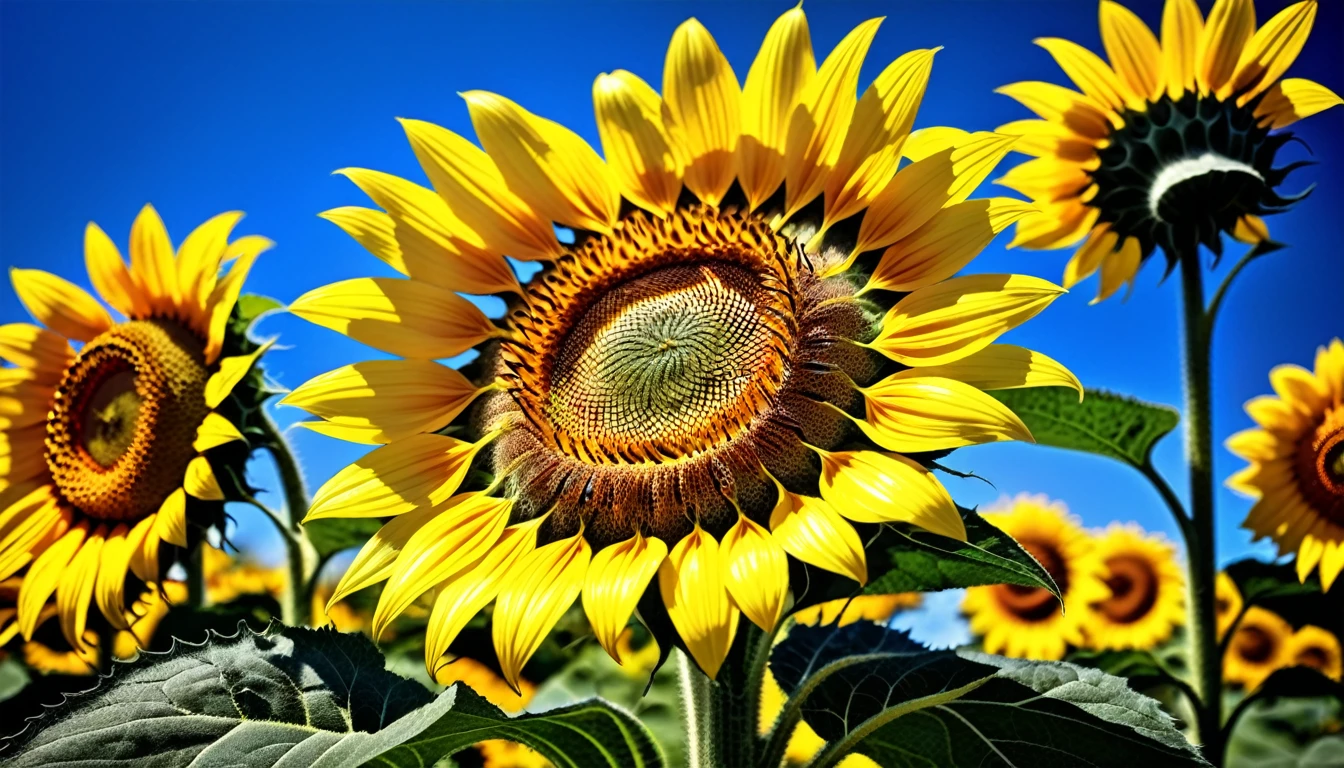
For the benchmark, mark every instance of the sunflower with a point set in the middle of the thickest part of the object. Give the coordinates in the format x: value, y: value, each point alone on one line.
x: 1027, y: 622
x: 748, y: 323
x: 1296, y: 471
x: 1170, y: 144
x: 1227, y: 603
x: 879, y: 608
x: 1147, y: 590
x: 111, y: 452
x: 495, y: 753
x: 1314, y: 647
x: 1259, y: 646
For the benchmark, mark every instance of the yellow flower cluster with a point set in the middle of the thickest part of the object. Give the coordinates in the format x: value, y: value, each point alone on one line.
x: 1262, y: 642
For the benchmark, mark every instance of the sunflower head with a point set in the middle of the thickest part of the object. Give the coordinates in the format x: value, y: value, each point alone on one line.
x: 1259, y: 646
x: 1147, y: 590
x: 113, y: 445
x: 1027, y: 622
x: 1170, y: 144
x: 1296, y: 471
x: 720, y: 380
x: 1227, y: 603
x: 1314, y: 647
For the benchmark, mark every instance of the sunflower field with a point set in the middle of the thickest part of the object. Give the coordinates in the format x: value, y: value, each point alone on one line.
x: 674, y: 384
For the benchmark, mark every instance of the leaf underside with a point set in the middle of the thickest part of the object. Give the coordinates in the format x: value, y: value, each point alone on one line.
x: 1104, y: 423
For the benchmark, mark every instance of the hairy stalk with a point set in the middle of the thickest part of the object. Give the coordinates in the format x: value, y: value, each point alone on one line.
x: 195, y: 567
x: 722, y: 714
x: 303, y: 560
x: 107, y: 636
x: 1199, y: 535
x: 697, y: 701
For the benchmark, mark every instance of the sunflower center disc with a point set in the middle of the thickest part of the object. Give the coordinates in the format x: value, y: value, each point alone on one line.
x: 675, y: 360
x: 119, y: 436
x: 1254, y: 644
x: 1320, y: 466
x: 1133, y: 589
x: 1036, y: 603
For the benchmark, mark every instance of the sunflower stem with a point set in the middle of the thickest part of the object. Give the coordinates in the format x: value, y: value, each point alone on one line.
x: 303, y: 559
x: 195, y: 568
x: 697, y: 701
x: 1199, y: 535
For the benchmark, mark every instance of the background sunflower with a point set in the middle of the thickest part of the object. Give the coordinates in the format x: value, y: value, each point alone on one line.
x: 1146, y: 582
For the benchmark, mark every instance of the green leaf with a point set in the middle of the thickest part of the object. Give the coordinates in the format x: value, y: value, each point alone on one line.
x: 1103, y: 423
x: 249, y: 309
x: 1288, y: 733
x: 307, y: 697
x: 919, y: 561
x: 331, y: 535
x: 1260, y: 582
x: 870, y: 689
x: 1140, y: 667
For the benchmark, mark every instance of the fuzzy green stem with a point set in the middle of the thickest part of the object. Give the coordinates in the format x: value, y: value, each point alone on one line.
x: 195, y: 567
x: 303, y: 559
x: 698, y: 702
x: 1199, y: 535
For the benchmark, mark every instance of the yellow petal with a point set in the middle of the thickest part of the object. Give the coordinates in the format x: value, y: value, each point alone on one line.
x: 463, y: 596
x: 373, y: 229
x: 231, y: 371
x: 545, y: 163
x: 1041, y: 138
x: 1119, y: 268
x: 616, y: 580
x: 1226, y: 32
x: 1002, y: 366
x: 374, y: 561
x: 470, y: 183
x: 872, y: 145
x: 1257, y: 445
x: 872, y: 487
x: 812, y: 531
x: 756, y: 572
x: 1047, y: 179
x: 1087, y: 70
x: 381, y: 401
x: 215, y: 430
x: 402, y: 317
x: 536, y: 594
x: 75, y: 590
x: 914, y: 414
x: 1058, y: 104
x: 153, y: 264
x: 1290, y: 100
x: 198, y: 260
x: 145, y: 557
x: 779, y: 76
x: 1272, y: 50
x: 22, y: 454
x: 952, y: 319
x: 1182, y: 26
x: 59, y: 304
x: 443, y: 547
x: 1133, y: 51
x: 1057, y: 226
x: 945, y: 243
x: 171, y: 520
x: 930, y: 141
x: 39, y: 583
x: 639, y: 153
x: 200, y: 481
x: 31, y: 519
x: 691, y: 583
x: 1089, y: 256
x: 109, y: 590
x: 917, y: 192
x: 1251, y: 229
x: 109, y: 276
x: 433, y: 244
x: 396, y: 478
x: 46, y: 353
x: 244, y: 252
x: 703, y: 101
x: 819, y: 123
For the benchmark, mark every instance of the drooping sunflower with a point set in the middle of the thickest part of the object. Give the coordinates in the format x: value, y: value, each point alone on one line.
x: 109, y: 455
x: 1259, y: 646
x: 1314, y: 647
x: 1170, y: 144
x: 1297, y: 464
x: 715, y: 381
x: 1227, y: 603
x: 1026, y: 622
x: 1147, y: 590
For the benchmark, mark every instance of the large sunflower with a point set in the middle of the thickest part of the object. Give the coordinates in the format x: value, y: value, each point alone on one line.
x: 1027, y: 622
x: 1314, y: 647
x: 1169, y: 145
x: 109, y: 453
x: 1259, y: 645
x: 755, y: 321
x: 1147, y: 590
x: 1297, y: 464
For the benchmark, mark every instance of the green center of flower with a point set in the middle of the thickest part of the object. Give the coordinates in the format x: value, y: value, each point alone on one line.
x: 111, y: 417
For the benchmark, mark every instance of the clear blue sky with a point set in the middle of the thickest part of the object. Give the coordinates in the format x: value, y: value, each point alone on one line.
x: 203, y: 107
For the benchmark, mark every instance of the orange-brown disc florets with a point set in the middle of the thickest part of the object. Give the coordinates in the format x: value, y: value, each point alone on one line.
x: 1319, y: 465
x: 120, y: 431
x: 656, y: 369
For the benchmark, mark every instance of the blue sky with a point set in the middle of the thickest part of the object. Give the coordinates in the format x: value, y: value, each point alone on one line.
x: 209, y: 106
